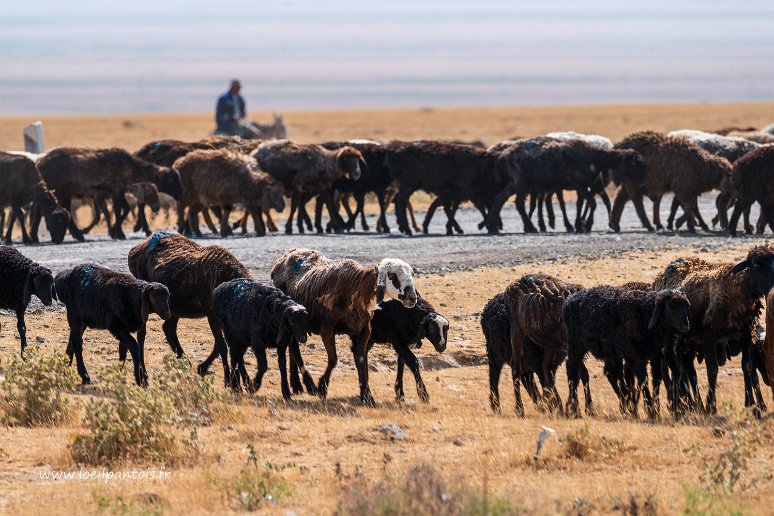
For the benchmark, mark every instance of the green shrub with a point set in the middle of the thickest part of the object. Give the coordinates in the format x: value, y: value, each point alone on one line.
x: 258, y: 487
x: 33, y: 393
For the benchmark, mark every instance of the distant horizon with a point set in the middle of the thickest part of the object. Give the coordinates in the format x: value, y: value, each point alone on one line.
x: 112, y: 57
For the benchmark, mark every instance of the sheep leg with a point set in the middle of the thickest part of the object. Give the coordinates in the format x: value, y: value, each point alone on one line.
x: 260, y: 227
x: 282, y: 364
x: 456, y: 206
x: 9, y: 232
x: 361, y: 362
x: 751, y: 385
x: 270, y: 225
x: 517, y: 356
x: 540, y: 200
x: 550, y: 395
x: 722, y: 203
x: 125, y: 338
x: 220, y: 348
x: 591, y: 204
x: 429, y: 215
x: 760, y: 227
x: 381, y: 224
x: 318, y: 206
x: 75, y: 346
x: 613, y: 370
x: 400, y: 396
x: 66, y: 202
x: 711, y: 362
x: 22, y: 327
x: 673, y: 213
x: 293, y: 207
x: 450, y: 222
x: 550, y: 208
x: 263, y: 366
x: 34, y: 212
x: 296, y: 363
x: 533, y: 201
x: 739, y: 207
x: 182, y: 227
x: 328, y: 336
x: 640, y: 209
x: 573, y: 378
x: 360, y: 200
x: 656, y: 379
x: 169, y: 327
x: 584, y: 376
x: 493, y: 212
x: 333, y: 213
x: 303, y: 214
x: 528, y: 226
x: 495, y: 367
x: 2, y: 216
x: 406, y: 355
x: 193, y: 221
x: 401, y: 200
x: 208, y: 219
x: 225, y: 229
x: 528, y: 379
x: 620, y: 201
x: 413, y: 218
x: 20, y: 218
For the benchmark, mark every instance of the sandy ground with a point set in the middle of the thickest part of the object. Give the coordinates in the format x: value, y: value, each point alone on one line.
x: 334, y: 444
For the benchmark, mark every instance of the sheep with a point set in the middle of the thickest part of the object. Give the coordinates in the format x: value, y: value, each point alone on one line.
x: 595, y: 140
x: 730, y: 147
x: 534, y: 304
x: 20, y: 278
x: 77, y: 172
x: 306, y: 171
x: 672, y: 165
x: 339, y: 295
x: 145, y: 194
x: 190, y: 272
x: 165, y: 152
x: 768, y: 346
x: 725, y: 302
x: 452, y: 171
x: 545, y: 165
x: 497, y: 333
x: 223, y: 178
x: 21, y: 185
x: 404, y: 328
x: 615, y: 324
x: 374, y: 177
x: 97, y: 297
x: 258, y: 315
x: 751, y: 179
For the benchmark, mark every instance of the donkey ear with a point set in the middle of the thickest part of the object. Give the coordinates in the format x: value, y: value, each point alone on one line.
x: 28, y: 287
x: 283, y: 329
x: 656, y: 313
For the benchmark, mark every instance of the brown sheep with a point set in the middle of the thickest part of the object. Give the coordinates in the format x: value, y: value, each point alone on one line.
x: 534, y: 304
x: 81, y: 172
x: 21, y: 185
x: 307, y: 171
x: 753, y: 180
x: 340, y: 296
x: 165, y: 152
x: 191, y: 272
x: 725, y: 303
x: 672, y: 165
x: 222, y: 178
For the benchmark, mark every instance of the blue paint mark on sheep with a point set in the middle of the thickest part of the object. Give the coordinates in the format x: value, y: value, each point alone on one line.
x: 155, y: 239
x: 86, y: 275
x: 300, y: 262
x: 157, y: 146
x: 239, y: 286
x: 671, y: 267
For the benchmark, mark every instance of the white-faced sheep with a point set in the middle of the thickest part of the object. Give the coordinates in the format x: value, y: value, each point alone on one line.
x: 99, y: 298
x: 618, y: 324
x: 20, y: 278
x: 725, y: 303
x: 340, y: 295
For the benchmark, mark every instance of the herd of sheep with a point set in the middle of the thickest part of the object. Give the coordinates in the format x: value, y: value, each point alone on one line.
x: 215, y: 175
x: 694, y: 310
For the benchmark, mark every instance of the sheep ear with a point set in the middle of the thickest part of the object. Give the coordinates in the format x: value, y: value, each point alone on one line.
x: 739, y: 267
x: 423, y: 330
x: 28, y: 286
x: 145, y: 306
x: 656, y: 314
x: 363, y: 162
x: 283, y: 328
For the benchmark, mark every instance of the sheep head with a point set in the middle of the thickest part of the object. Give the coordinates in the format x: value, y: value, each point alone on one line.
x: 273, y: 197
x: 348, y: 160
x: 435, y: 328
x: 395, y: 279
x: 57, y: 222
x: 155, y: 299
x: 671, y: 311
x: 167, y: 180
x: 759, y: 265
x: 294, y: 324
x: 40, y: 282
x: 630, y: 167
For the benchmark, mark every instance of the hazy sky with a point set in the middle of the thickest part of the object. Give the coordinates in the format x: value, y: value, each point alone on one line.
x: 142, y: 55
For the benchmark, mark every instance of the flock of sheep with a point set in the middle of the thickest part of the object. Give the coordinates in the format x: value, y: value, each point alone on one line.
x: 214, y: 175
x: 694, y: 311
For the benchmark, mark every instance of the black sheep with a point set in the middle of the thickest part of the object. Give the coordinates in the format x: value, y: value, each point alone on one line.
x: 20, y: 277
x: 497, y: 332
x: 259, y: 316
x: 97, y: 297
x: 404, y: 328
x: 617, y: 324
